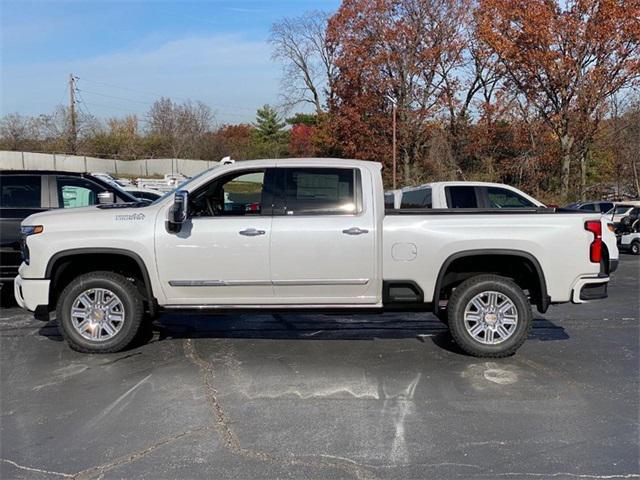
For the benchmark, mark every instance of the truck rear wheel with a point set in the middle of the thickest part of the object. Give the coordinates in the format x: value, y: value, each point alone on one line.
x: 489, y: 316
x: 635, y: 247
x: 99, y: 312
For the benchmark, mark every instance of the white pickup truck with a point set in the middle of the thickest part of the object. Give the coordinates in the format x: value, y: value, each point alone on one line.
x: 459, y: 194
x: 464, y: 194
x: 306, y: 235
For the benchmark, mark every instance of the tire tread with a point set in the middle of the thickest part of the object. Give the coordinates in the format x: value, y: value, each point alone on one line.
x: 453, y: 304
x: 134, y: 316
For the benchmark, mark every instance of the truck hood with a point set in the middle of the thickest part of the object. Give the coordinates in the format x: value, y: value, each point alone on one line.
x: 75, y: 218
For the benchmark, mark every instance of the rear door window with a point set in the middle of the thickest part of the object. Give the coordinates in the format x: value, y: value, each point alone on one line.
x: 589, y: 207
x: 505, y: 198
x: 21, y: 191
x: 320, y: 191
x: 462, y: 197
x: 420, y: 198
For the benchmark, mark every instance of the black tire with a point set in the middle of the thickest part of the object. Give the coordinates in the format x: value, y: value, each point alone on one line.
x: 7, y: 299
x: 131, y: 301
x: 465, y: 292
x: 635, y: 247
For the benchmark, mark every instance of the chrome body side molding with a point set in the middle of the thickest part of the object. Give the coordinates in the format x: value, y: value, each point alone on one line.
x: 218, y: 283
x: 252, y: 283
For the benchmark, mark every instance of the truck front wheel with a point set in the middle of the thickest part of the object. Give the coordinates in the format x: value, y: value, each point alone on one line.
x: 489, y: 316
x: 99, y: 312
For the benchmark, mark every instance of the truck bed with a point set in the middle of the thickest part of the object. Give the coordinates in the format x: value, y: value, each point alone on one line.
x: 415, y: 241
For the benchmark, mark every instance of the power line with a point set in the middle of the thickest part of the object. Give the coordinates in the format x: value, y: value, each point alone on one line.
x: 115, y: 97
x: 223, y: 111
x: 83, y: 104
x: 157, y: 95
x: 111, y: 107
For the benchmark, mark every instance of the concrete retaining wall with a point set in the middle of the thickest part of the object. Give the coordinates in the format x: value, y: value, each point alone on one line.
x: 77, y: 163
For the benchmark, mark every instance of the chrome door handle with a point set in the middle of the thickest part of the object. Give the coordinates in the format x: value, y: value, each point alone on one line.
x: 355, y: 231
x: 251, y: 232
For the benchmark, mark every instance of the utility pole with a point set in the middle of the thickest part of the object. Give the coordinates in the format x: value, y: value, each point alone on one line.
x: 73, y: 134
x: 394, y: 102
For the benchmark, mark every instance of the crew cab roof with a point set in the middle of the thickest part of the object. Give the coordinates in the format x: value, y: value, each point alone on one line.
x: 311, y: 162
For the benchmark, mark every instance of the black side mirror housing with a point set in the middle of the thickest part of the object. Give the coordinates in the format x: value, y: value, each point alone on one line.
x: 178, y: 213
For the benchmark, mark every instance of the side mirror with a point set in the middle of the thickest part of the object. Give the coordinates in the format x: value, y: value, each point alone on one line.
x: 105, y: 198
x: 178, y: 212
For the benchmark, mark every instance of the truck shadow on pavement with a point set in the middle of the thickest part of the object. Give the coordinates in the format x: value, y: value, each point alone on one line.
x: 421, y: 327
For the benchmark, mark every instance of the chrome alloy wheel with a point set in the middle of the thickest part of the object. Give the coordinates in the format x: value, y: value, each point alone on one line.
x: 97, y: 314
x: 490, y: 318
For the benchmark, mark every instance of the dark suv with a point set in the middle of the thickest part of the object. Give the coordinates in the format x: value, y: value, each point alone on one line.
x: 25, y: 192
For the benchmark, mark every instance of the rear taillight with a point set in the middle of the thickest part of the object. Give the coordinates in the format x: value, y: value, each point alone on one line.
x: 595, y: 250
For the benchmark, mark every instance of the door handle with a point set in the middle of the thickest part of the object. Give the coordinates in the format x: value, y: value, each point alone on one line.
x: 251, y: 232
x: 355, y: 231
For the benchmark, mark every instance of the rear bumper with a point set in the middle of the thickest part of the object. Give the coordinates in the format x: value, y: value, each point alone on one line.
x: 587, y: 289
x: 31, y: 294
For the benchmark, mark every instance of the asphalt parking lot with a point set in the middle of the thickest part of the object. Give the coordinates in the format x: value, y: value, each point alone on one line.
x: 325, y: 396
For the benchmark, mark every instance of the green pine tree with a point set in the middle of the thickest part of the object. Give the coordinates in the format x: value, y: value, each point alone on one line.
x: 270, y: 139
x: 269, y: 127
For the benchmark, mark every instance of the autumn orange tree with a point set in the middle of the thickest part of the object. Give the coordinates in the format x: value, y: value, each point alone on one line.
x: 567, y: 58
x: 397, y: 49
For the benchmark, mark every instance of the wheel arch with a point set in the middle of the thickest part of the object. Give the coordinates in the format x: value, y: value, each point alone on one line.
x: 66, y: 257
x: 542, y: 299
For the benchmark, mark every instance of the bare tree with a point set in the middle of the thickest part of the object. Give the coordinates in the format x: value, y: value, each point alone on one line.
x: 308, y: 62
x: 16, y: 130
x: 182, y: 126
x: 624, y: 141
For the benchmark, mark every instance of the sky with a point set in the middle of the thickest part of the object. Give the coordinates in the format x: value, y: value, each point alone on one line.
x: 126, y: 54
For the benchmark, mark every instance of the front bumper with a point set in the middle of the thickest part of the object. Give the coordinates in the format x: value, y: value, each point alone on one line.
x: 31, y: 294
x: 587, y: 289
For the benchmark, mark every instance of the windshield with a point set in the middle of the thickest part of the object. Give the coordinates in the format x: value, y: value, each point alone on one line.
x: 183, y: 185
x: 622, y: 210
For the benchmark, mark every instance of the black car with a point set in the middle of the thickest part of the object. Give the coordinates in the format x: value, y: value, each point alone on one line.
x: 25, y: 192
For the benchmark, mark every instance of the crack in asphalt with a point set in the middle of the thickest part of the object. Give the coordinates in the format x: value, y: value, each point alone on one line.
x: 232, y: 441
x: 566, y: 474
x: 35, y: 470
x: 133, y: 457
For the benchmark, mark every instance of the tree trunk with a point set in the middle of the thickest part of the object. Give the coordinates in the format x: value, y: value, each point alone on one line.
x: 407, y: 169
x: 636, y: 180
x: 583, y: 175
x: 566, y: 142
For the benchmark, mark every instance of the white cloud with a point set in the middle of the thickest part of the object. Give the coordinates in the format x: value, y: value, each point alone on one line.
x: 224, y: 71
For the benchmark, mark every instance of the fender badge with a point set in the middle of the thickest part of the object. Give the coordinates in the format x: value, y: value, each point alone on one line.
x: 131, y: 216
